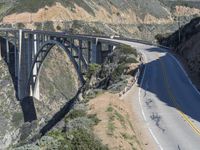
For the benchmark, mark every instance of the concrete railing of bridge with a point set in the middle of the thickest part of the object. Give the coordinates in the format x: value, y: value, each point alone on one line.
x: 25, y: 50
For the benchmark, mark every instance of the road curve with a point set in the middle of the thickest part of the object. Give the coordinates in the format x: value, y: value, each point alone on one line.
x: 170, y: 104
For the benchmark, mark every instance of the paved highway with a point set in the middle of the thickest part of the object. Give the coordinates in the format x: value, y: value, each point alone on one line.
x: 170, y: 104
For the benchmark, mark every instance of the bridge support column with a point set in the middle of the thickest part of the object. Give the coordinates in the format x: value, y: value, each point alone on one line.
x: 16, y: 57
x: 89, y: 52
x: 80, y: 54
x: 0, y: 52
x: 96, y: 52
x: 29, y: 59
x: 19, y: 88
x: 30, y: 50
x: 7, y: 49
x: 110, y: 48
x: 36, y: 90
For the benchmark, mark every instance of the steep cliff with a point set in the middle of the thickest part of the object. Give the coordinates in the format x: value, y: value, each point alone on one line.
x: 133, y: 18
x: 184, y: 42
x: 11, y: 115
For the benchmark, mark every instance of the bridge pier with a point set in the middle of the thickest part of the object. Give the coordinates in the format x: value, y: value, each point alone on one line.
x: 19, y: 89
x: 7, y: 50
x: 89, y: 52
x: 80, y: 54
x: 35, y: 91
x: 0, y: 51
x: 96, y: 52
x: 16, y: 56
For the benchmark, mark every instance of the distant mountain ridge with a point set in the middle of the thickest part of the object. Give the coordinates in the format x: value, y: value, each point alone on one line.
x: 129, y: 11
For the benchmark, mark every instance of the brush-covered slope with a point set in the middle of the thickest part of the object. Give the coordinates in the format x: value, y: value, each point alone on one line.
x: 108, y: 11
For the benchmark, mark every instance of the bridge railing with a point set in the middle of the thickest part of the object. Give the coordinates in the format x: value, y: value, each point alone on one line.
x: 86, y: 36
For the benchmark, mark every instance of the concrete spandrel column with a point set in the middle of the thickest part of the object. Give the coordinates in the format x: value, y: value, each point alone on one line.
x: 7, y: 49
x: 89, y: 51
x: 80, y: 54
x: 29, y: 52
x: 35, y: 52
x: 0, y: 52
x: 16, y: 56
x: 96, y: 52
x: 19, y: 65
x: 110, y: 48
x: 36, y: 90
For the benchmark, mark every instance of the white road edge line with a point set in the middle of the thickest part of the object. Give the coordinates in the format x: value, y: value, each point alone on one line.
x: 143, y: 114
x: 185, y: 74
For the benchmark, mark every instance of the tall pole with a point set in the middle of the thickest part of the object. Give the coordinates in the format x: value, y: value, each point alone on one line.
x: 179, y: 30
x: 179, y: 21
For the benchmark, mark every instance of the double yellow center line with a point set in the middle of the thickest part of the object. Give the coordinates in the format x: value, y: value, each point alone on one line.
x: 173, y: 99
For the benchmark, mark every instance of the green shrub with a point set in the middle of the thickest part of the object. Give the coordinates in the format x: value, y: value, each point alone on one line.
x: 131, y: 60
x: 77, y: 139
x: 75, y: 114
x: 94, y: 118
x: 58, y: 27
x: 17, y: 118
x: 79, y: 123
x: 109, y: 109
x: 111, y: 128
x: 92, y: 69
x: 20, y: 26
x: 127, y: 50
x: 85, y: 141
x: 116, y: 74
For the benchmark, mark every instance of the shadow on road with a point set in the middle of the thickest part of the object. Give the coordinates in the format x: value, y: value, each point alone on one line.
x: 155, y: 77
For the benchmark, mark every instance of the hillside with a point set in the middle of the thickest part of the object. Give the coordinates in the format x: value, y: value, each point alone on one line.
x: 110, y: 124
x: 187, y: 47
x: 133, y: 18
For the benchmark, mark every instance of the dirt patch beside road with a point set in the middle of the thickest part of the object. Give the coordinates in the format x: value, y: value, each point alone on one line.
x: 120, y: 127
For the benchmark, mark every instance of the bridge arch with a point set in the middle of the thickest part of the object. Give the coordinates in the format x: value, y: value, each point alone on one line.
x: 41, y: 55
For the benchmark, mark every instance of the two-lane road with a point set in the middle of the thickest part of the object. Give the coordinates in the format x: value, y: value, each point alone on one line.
x: 169, y: 102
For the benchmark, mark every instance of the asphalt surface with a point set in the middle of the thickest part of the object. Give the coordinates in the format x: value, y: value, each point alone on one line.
x: 170, y: 104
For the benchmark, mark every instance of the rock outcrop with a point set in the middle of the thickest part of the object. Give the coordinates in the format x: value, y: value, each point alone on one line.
x: 141, y: 19
x: 11, y: 116
x: 186, y: 44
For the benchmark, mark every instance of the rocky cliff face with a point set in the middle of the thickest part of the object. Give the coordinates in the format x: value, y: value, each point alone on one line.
x: 58, y: 84
x: 185, y: 43
x: 11, y: 115
x: 141, y: 19
x: 75, y: 131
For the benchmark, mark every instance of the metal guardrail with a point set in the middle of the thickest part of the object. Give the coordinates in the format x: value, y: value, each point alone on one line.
x: 86, y: 36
